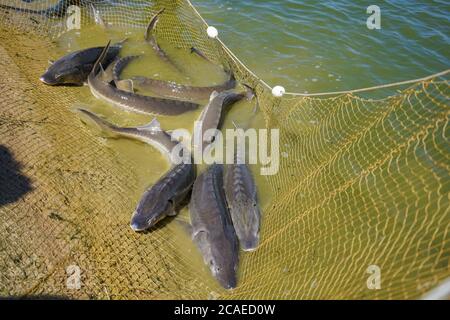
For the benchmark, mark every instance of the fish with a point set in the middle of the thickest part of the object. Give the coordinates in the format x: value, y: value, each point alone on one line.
x: 74, y: 68
x: 170, y: 193
x: 151, y: 40
x: 168, y: 89
x: 211, y: 116
x: 131, y: 101
x: 241, y: 195
x: 212, y: 228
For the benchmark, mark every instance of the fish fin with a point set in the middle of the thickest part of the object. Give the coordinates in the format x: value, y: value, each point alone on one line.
x: 154, y: 125
x: 213, y: 95
x: 97, y: 17
x: 121, y: 42
x: 249, y: 92
x: 100, y: 58
x: 152, y: 24
x: 107, y: 74
x: 125, y: 85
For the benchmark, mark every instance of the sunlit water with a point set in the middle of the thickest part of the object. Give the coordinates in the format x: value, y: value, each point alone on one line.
x: 317, y: 46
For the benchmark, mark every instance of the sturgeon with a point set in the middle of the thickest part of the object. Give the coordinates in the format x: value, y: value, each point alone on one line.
x: 131, y: 101
x: 168, y: 89
x: 212, y: 229
x: 151, y: 40
x: 241, y: 195
x: 211, y: 116
x: 75, y: 67
x: 171, y: 191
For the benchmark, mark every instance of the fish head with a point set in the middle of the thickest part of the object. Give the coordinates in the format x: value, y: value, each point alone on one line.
x: 224, y: 269
x: 63, y: 73
x: 221, y: 258
x: 246, y: 220
x: 153, y: 207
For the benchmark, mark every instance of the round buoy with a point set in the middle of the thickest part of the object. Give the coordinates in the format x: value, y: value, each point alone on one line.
x: 212, y: 32
x: 278, y: 91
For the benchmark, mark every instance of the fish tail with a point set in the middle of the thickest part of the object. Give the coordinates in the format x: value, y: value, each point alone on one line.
x: 152, y: 24
x: 103, y: 124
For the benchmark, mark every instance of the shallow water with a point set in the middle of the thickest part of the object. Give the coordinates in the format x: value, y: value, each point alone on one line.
x: 147, y: 161
x: 317, y: 46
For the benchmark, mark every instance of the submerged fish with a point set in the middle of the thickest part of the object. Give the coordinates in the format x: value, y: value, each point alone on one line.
x: 131, y: 101
x: 150, y: 39
x: 212, y: 229
x: 168, y: 88
x: 212, y: 115
x: 169, y: 193
x: 240, y: 191
x: 75, y: 67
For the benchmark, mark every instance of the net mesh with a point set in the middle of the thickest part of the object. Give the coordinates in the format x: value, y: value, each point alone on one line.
x: 362, y: 182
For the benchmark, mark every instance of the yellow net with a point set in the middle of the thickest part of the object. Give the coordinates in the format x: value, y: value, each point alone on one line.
x: 363, y: 185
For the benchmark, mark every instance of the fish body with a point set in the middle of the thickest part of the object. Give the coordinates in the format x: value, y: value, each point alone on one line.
x: 241, y: 195
x: 165, y: 197
x: 151, y: 40
x: 212, y: 228
x: 131, y: 101
x: 170, y: 192
x: 171, y: 89
x: 212, y: 115
x: 75, y: 67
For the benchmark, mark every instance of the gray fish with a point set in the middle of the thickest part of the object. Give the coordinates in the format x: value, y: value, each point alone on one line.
x: 212, y: 115
x: 168, y: 89
x: 150, y: 39
x: 131, y: 101
x: 212, y: 229
x: 170, y: 192
x: 75, y: 67
x: 240, y: 191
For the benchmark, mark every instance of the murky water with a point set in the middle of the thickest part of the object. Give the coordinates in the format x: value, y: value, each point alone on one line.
x: 146, y: 160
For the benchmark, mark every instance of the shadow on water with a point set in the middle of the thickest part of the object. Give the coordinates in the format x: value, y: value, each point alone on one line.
x: 13, y: 184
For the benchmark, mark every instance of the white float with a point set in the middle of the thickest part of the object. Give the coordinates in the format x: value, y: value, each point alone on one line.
x: 278, y: 91
x: 212, y: 32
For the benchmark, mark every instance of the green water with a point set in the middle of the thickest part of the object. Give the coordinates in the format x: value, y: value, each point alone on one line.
x: 316, y: 46
x: 146, y: 161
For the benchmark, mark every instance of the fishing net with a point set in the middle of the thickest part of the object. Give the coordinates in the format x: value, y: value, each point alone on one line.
x: 363, y: 186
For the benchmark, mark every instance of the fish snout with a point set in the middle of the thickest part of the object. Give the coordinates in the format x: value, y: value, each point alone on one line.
x: 249, y: 242
x: 48, y: 79
x: 136, y: 224
x: 229, y: 282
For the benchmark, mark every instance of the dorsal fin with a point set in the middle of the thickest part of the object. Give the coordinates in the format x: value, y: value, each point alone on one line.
x: 154, y: 125
x: 97, y: 17
x: 213, y: 95
x: 100, y: 59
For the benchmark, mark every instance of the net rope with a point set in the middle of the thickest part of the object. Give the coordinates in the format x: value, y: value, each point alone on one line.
x: 362, y: 183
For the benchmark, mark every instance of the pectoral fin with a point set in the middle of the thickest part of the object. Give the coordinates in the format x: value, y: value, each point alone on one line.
x: 125, y: 85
